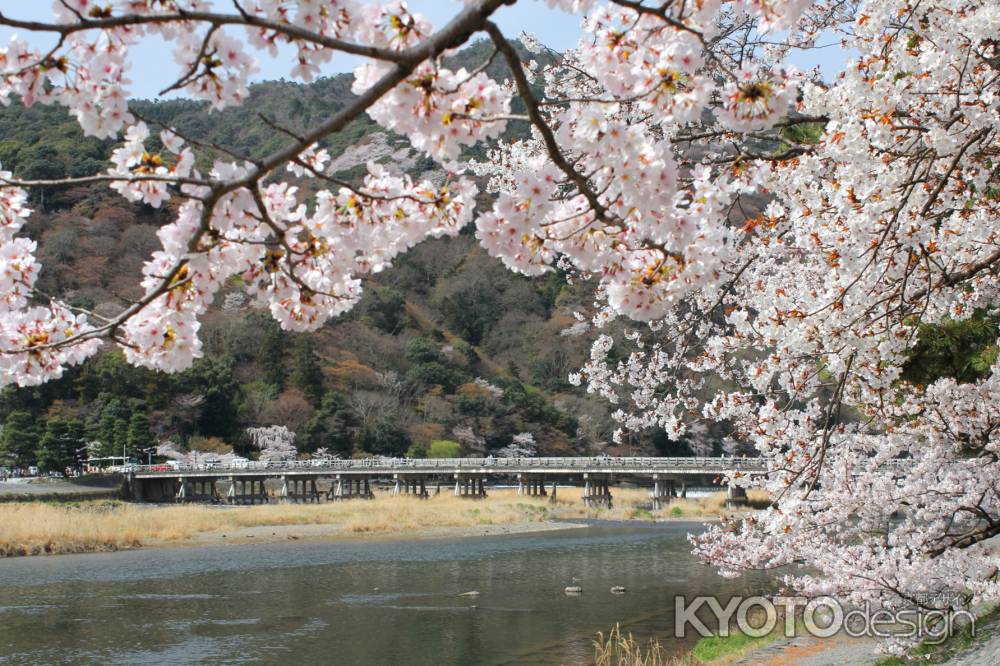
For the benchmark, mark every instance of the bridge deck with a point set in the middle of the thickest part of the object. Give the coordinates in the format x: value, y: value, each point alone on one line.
x: 405, y: 466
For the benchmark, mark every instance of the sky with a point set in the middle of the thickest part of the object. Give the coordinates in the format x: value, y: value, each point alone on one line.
x: 153, y: 68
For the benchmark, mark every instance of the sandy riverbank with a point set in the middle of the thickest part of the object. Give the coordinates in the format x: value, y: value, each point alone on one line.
x: 36, y: 528
x: 331, y: 532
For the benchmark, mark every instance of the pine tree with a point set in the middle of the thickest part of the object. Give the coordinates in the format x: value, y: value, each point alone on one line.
x: 58, y: 447
x: 139, y: 436
x: 272, y: 353
x: 307, y: 376
x: 20, y: 439
x: 119, y: 438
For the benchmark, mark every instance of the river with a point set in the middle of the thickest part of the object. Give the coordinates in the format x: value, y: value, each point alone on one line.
x: 355, y: 602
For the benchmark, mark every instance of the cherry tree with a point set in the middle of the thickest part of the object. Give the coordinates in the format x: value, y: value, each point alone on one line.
x: 324, y: 453
x: 275, y: 442
x: 522, y: 445
x: 773, y: 240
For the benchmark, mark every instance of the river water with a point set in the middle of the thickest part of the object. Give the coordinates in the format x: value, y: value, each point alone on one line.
x: 355, y: 602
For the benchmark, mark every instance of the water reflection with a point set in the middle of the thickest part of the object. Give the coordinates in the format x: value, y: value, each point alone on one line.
x: 374, y: 602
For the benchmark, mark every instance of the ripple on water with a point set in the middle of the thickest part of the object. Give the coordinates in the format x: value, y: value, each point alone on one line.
x: 178, y: 597
x: 30, y: 609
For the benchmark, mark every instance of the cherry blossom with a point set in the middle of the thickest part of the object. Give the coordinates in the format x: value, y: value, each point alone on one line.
x: 770, y: 241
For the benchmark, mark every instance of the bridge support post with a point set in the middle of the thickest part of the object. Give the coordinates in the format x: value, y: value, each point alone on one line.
x: 470, y: 485
x: 596, y: 490
x: 182, y: 489
x: 736, y: 496
x: 664, y: 491
x: 283, y: 494
x: 336, y: 491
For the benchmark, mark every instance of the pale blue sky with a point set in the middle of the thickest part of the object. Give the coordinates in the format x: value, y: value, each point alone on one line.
x: 153, y: 67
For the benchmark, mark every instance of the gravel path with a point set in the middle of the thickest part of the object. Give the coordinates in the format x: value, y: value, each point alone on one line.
x: 99, y: 485
x: 809, y: 651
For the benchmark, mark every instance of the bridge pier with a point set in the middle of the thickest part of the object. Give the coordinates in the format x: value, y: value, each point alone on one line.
x: 183, y: 491
x: 736, y: 496
x: 302, y: 489
x: 195, y: 489
x: 470, y: 485
x: 350, y: 486
x: 410, y: 484
x: 238, y: 493
x: 532, y: 485
x: 596, y: 490
x: 664, y: 490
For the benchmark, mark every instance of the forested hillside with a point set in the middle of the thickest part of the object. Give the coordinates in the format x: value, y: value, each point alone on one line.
x: 446, y: 350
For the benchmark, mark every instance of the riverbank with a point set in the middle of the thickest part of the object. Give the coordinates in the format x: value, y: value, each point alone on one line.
x: 37, y: 528
x: 59, y: 489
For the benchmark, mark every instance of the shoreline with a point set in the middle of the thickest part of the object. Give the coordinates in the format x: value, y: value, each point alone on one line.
x: 320, y: 533
x: 38, y: 528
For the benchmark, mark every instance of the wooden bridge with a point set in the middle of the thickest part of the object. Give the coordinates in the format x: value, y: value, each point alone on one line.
x: 316, y: 480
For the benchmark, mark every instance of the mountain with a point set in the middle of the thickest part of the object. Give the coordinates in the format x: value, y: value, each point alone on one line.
x: 446, y: 345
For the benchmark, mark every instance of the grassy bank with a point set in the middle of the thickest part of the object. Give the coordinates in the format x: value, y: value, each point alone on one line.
x: 618, y: 649
x: 35, y: 528
x: 724, y: 650
x: 966, y: 637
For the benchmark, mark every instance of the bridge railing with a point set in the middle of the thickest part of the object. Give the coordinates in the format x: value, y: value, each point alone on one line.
x: 489, y: 464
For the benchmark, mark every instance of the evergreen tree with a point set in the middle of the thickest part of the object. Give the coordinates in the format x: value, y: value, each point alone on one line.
x: 20, y: 439
x: 139, y: 436
x: 272, y: 353
x: 104, y: 434
x: 58, y: 447
x: 330, y: 427
x: 119, y: 438
x: 307, y: 376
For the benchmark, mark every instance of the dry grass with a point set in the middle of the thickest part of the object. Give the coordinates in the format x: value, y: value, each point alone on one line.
x: 618, y: 649
x: 38, y: 528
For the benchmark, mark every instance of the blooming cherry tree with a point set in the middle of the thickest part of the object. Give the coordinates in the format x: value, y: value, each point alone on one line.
x: 522, y: 445
x: 776, y: 239
x: 275, y: 442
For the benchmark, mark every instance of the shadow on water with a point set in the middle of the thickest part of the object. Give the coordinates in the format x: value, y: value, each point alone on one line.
x: 357, y: 602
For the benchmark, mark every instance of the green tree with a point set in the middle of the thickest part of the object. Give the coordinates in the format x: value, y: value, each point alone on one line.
x: 307, y: 375
x: 119, y: 438
x: 58, y: 447
x: 272, y: 352
x: 962, y: 349
x: 386, y: 308
x: 444, y: 448
x: 385, y: 439
x: 20, y: 439
x: 139, y: 436
x: 423, y: 350
x: 330, y: 427
x: 110, y: 430
x: 219, y: 410
x: 437, y: 374
x: 416, y: 451
x: 474, y: 308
